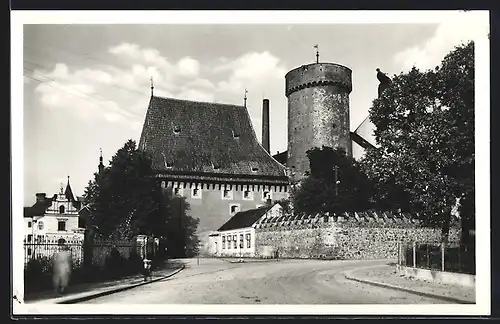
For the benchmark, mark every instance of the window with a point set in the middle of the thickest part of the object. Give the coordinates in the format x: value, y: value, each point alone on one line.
x: 234, y: 242
x: 40, y: 225
x: 177, y: 129
x: 61, y: 209
x: 223, y: 242
x: 248, y: 241
x: 61, y: 241
x: 266, y: 195
x: 229, y: 242
x: 196, y: 193
x: 30, y: 237
x: 255, y: 169
x: 29, y: 224
x: 247, y: 195
x: 227, y: 194
x: 178, y: 191
x: 61, y: 225
x: 29, y: 251
x: 234, y: 208
x: 241, y: 241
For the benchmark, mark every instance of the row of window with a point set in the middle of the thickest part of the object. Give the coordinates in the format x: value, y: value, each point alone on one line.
x: 230, y: 241
x: 61, y: 225
x: 226, y: 194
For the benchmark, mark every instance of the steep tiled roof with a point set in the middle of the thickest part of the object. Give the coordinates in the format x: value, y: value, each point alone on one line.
x: 244, y: 218
x: 190, y: 136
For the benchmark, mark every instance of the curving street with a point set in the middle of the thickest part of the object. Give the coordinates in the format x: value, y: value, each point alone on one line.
x: 216, y: 281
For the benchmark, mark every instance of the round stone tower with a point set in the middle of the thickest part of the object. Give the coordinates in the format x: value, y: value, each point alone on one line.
x: 318, y: 111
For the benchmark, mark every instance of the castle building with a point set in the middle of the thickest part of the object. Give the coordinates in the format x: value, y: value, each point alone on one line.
x: 209, y: 154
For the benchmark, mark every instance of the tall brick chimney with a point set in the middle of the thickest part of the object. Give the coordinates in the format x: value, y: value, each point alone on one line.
x: 265, y: 124
x: 40, y: 197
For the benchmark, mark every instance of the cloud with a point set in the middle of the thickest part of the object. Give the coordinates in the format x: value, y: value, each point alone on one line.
x: 188, y: 67
x: 251, y: 70
x: 448, y: 35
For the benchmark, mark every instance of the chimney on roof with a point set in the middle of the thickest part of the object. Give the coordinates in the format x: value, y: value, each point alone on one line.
x: 40, y: 197
x: 265, y: 124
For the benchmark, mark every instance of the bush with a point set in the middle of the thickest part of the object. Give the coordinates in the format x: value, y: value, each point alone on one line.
x: 38, y: 274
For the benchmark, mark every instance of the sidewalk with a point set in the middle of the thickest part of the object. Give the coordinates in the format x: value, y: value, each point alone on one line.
x: 85, y: 291
x: 386, y: 276
x: 248, y: 260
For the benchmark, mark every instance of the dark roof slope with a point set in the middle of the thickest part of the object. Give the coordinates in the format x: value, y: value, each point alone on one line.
x: 38, y: 209
x: 190, y: 136
x: 281, y: 157
x: 244, y: 218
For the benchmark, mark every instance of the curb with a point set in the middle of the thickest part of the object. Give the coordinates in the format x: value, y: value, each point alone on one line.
x: 411, y: 291
x: 80, y: 299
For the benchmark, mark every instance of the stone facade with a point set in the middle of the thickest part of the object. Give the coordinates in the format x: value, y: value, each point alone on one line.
x: 318, y: 111
x: 344, y: 239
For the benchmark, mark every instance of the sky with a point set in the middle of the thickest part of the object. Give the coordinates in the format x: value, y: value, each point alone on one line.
x: 87, y: 87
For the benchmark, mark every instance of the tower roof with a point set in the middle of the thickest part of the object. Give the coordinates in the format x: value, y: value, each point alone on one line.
x: 69, y: 193
x: 191, y: 136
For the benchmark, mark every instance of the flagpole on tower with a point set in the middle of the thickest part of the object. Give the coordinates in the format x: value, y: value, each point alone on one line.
x: 317, y: 53
x: 245, y: 98
x: 152, y: 86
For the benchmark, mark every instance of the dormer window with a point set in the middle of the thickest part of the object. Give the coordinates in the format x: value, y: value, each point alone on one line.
x: 255, y: 169
x: 216, y: 166
x: 236, y: 134
x: 177, y: 129
x: 169, y: 165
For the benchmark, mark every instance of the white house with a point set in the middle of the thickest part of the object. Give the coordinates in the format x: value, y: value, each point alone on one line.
x: 236, y: 237
x: 53, y: 220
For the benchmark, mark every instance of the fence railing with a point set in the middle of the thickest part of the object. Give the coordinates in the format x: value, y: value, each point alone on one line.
x: 450, y: 257
x: 47, y: 250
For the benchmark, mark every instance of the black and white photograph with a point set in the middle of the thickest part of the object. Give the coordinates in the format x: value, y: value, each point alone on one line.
x: 251, y: 162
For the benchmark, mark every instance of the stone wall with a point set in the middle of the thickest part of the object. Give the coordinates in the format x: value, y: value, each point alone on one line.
x: 345, y: 239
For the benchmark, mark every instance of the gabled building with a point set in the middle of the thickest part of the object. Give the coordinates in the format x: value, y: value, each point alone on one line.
x: 53, y: 219
x: 209, y: 153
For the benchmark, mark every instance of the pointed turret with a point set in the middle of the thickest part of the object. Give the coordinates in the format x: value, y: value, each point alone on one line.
x: 69, y: 193
x: 101, y: 165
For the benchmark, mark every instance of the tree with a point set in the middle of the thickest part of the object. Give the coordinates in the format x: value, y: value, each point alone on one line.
x: 182, y: 240
x: 126, y: 200
x: 335, y: 184
x: 425, y: 131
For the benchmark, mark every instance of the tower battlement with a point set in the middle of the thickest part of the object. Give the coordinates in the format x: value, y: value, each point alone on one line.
x: 317, y: 74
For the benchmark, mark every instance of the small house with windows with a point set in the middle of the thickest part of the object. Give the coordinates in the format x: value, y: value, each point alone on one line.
x: 53, y: 220
x: 236, y: 237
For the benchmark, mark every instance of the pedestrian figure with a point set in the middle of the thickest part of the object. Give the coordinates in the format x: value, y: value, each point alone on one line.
x: 147, y: 269
x: 61, y: 268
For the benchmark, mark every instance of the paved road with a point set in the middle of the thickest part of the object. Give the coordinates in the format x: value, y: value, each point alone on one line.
x: 215, y: 281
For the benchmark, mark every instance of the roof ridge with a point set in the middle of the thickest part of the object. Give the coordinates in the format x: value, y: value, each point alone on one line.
x: 200, y: 102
